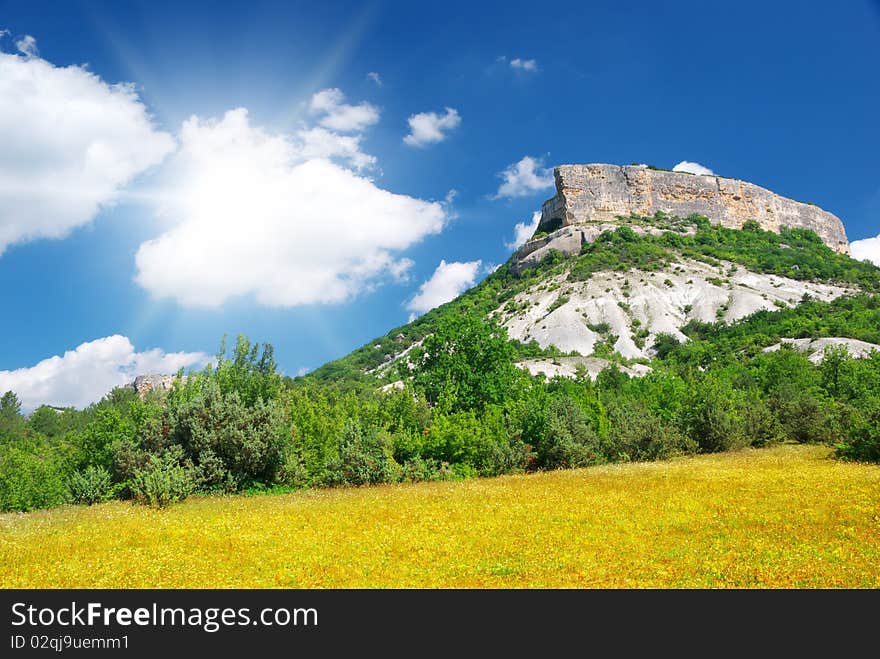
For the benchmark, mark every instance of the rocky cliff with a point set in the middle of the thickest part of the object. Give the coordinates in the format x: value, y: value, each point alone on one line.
x: 144, y: 384
x: 601, y: 193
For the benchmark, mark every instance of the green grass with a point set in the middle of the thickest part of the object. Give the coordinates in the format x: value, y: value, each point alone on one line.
x: 787, y: 517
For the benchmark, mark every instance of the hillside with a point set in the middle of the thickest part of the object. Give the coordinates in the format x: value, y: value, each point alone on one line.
x: 786, y: 517
x: 674, y: 335
x: 626, y: 284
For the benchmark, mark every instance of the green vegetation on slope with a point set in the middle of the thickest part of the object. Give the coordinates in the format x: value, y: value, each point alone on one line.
x: 464, y: 409
x: 795, y: 253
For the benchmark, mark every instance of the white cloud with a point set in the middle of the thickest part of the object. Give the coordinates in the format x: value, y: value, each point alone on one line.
x: 447, y: 282
x: 84, y: 375
x: 524, y: 178
x: 429, y: 127
x: 256, y: 213
x: 867, y: 249
x: 4, y: 33
x: 337, y: 115
x: 522, y: 231
x: 69, y: 142
x: 692, y: 168
x: 27, y: 46
x: 524, y: 64
x: 321, y: 143
x: 375, y: 77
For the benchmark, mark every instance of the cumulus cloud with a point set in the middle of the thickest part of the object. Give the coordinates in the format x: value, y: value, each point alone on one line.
x: 27, y: 46
x: 257, y: 213
x: 375, y: 77
x: 337, y: 115
x: 692, y: 168
x: 524, y: 178
x: 321, y: 143
x: 429, y: 127
x: 70, y: 143
x: 524, y: 64
x: 84, y: 375
x: 448, y: 281
x: 523, y: 231
x: 866, y: 250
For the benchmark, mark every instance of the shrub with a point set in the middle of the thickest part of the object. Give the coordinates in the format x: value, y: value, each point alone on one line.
x: 164, y: 480
x: 568, y: 439
x: 711, y: 417
x: 365, y: 458
x: 760, y: 427
x: 90, y: 485
x: 240, y: 443
x: 31, y: 477
x: 862, y: 440
x: 639, y: 434
x: 425, y: 469
x: 803, y: 414
x: 293, y: 473
x: 504, y: 456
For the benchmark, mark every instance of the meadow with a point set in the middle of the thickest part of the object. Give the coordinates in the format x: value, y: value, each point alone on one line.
x: 781, y: 517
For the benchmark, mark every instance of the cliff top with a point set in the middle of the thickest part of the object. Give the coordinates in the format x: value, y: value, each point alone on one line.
x: 601, y: 192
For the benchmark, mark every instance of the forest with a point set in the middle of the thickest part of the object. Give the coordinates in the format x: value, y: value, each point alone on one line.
x: 467, y: 410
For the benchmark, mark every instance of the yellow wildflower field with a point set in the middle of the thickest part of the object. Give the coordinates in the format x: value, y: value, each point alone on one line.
x: 783, y: 517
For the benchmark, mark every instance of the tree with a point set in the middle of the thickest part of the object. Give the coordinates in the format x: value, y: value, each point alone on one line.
x: 231, y: 443
x: 466, y: 364
x: 252, y: 374
x: 11, y: 421
x: 10, y: 406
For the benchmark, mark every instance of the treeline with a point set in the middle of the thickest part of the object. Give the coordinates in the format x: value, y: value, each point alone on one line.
x: 461, y: 409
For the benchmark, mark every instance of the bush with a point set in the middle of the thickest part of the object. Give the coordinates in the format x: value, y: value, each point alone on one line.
x: 711, y: 416
x: 164, y: 480
x: 760, y: 427
x: 803, y: 415
x: 506, y: 456
x: 232, y: 443
x: 365, y: 458
x: 31, y: 477
x: 425, y: 469
x: 862, y: 440
x: 90, y: 485
x: 568, y: 439
x: 639, y: 434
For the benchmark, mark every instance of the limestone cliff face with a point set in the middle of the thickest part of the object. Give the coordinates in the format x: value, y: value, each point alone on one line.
x: 144, y: 384
x: 597, y: 193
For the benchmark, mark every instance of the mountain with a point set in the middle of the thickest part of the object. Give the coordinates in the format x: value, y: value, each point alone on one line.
x: 626, y: 256
x: 675, y: 334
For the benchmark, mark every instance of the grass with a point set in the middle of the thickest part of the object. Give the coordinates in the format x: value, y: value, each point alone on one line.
x: 788, y: 516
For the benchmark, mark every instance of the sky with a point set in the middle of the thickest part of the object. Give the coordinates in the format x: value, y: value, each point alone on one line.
x: 313, y: 175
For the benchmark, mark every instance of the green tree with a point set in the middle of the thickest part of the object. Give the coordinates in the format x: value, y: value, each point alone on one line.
x: 10, y: 406
x: 466, y: 364
x: 232, y: 442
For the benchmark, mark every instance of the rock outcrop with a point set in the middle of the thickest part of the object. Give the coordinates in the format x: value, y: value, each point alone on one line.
x: 815, y: 348
x: 626, y: 311
x: 144, y: 384
x: 601, y: 193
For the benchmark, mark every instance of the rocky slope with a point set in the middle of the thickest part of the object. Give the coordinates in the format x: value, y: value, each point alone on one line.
x: 620, y: 258
x: 600, y: 192
x: 630, y: 309
x: 815, y: 348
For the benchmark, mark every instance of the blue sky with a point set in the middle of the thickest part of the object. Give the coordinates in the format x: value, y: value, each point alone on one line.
x: 256, y: 178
